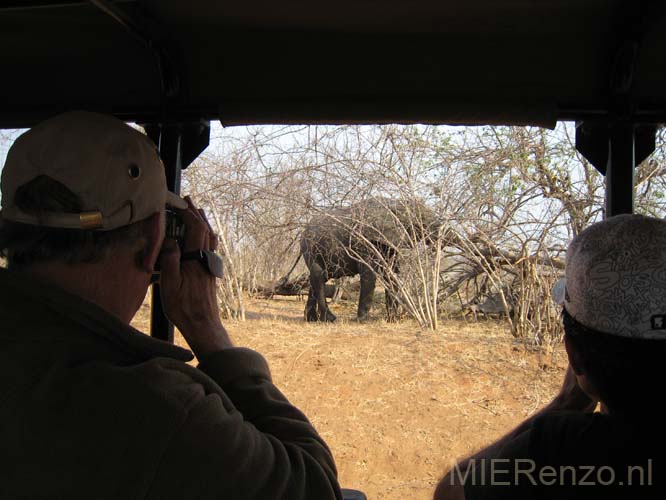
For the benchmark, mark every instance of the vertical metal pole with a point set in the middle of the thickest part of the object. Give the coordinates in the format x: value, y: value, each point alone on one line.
x: 620, y: 170
x: 170, y: 146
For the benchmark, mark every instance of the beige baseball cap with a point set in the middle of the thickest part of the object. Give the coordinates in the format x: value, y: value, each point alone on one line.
x: 615, y: 278
x: 115, y: 170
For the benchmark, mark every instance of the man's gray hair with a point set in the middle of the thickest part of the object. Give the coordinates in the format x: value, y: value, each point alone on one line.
x: 25, y: 244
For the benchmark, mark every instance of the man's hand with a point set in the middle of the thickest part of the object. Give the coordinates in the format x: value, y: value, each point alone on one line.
x: 571, y: 396
x: 188, y: 290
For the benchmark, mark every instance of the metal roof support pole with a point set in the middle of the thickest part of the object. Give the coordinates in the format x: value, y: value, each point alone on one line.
x: 179, y: 145
x: 171, y: 151
x: 620, y: 169
x: 615, y: 150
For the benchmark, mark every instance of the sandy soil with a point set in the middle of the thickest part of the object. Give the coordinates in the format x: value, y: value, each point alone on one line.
x: 398, y: 405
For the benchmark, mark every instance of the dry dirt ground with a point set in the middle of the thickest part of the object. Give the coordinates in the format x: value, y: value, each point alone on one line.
x: 398, y: 405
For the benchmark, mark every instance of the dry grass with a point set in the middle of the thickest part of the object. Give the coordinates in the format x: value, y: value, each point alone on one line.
x: 396, y: 404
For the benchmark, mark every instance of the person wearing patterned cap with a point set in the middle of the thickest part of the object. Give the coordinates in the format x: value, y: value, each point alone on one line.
x: 91, y: 408
x: 602, y: 436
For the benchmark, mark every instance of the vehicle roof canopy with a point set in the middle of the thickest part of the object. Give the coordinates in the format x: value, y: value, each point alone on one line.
x: 350, y: 61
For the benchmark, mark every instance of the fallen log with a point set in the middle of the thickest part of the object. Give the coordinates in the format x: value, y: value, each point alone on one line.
x: 300, y: 286
x: 297, y: 286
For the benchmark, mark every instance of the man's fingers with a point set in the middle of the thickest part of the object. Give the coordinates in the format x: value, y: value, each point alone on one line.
x: 199, y: 233
x: 212, y: 237
x: 170, y: 265
x: 196, y: 232
x: 196, y: 229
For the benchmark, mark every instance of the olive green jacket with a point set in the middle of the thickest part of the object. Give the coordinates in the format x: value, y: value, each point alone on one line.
x: 90, y: 408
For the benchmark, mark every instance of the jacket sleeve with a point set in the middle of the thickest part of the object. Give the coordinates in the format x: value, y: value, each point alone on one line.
x: 245, y: 441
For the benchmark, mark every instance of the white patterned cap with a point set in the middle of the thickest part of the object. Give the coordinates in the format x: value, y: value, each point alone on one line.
x: 616, y: 277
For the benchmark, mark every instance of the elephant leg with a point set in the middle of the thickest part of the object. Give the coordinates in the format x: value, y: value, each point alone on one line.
x: 311, y: 313
x: 368, y: 281
x: 317, y: 285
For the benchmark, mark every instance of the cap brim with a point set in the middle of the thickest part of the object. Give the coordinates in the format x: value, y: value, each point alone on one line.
x: 175, y: 201
x: 559, y: 290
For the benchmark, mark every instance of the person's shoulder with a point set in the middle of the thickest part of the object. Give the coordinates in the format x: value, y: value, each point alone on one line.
x: 581, y: 423
x: 575, y: 426
x: 559, y: 436
x: 163, y: 384
x: 569, y: 420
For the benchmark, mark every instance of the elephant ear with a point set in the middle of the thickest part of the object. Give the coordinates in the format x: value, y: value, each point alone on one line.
x: 399, y: 223
x: 380, y: 220
x: 395, y: 223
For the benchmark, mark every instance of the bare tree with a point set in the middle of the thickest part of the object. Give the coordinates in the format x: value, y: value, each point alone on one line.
x: 507, y: 199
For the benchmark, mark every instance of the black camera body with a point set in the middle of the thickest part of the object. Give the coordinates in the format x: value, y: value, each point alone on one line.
x: 175, y: 227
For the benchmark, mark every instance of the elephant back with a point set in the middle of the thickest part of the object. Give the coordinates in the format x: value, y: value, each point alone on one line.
x: 383, y: 221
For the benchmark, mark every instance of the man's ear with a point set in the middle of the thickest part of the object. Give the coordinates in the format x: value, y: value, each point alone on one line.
x: 153, y: 230
x: 575, y: 359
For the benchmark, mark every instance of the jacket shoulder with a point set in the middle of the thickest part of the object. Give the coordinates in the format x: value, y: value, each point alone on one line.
x: 160, y: 383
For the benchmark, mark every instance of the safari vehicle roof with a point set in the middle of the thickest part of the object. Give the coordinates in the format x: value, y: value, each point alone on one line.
x: 174, y: 65
x: 513, y: 62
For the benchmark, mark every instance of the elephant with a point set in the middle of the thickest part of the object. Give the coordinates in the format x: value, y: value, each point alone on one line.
x: 364, y: 239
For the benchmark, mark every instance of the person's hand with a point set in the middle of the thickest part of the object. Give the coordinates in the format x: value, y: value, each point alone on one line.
x: 571, y: 396
x: 188, y: 289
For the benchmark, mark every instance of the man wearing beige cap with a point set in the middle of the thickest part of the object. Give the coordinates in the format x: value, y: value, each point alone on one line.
x: 613, y: 302
x: 91, y: 408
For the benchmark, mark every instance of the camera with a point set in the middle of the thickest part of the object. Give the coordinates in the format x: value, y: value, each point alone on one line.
x: 175, y: 227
